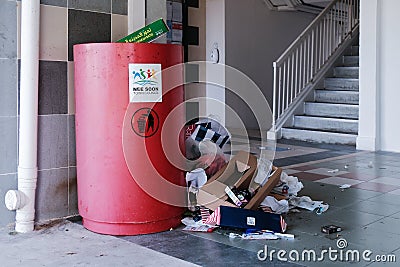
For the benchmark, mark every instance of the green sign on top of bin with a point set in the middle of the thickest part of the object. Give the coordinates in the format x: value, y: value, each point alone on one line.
x: 147, y: 33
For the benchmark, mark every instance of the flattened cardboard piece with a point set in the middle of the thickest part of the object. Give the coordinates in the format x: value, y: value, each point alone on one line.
x: 212, y: 194
x: 231, y: 176
x: 263, y: 192
x: 251, y: 219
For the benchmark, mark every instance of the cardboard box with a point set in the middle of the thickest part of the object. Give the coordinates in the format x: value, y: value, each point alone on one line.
x: 212, y: 194
x: 251, y: 219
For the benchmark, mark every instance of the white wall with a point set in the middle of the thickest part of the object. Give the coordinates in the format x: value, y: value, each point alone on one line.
x: 368, y: 129
x: 136, y: 15
x: 379, y: 71
x: 157, y: 9
x: 215, y: 25
x: 255, y: 37
x: 389, y: 74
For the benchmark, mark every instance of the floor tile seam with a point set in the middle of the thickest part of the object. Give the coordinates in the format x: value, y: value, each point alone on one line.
x: 383, y: 217
x: 325, y: 160
x: 368, y: 212
x: 396, y: 187
x: 395, y: 250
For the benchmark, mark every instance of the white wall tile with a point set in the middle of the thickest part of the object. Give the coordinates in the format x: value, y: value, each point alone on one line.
x: 53, y: 33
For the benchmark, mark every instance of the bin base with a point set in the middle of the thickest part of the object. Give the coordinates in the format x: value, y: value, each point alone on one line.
x: 131, y: 228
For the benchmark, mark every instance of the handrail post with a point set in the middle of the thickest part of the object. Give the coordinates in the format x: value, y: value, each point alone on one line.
x: 274, y: 111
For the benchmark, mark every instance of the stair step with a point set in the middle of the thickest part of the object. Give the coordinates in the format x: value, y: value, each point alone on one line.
x: 351, y: 60
x: 354, y: 50
x: 341, y: 84
x: 346, y: 72
x: 326, y: 124
x: 332, y: 96
x: 319, y: 136
x: 331, y: 110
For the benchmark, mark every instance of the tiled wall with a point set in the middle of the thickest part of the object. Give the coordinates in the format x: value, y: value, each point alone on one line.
x: 8, y: 104
x: 63, y: 24
x: 195, y: 37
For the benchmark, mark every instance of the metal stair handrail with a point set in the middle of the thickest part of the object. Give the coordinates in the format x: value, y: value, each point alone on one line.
x: 296, y: 68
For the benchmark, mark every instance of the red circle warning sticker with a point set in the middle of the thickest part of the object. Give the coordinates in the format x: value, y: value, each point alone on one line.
x: 145, y: 122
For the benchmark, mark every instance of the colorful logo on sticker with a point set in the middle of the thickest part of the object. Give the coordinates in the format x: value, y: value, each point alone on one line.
x: 144, y: 77
x: 145, y: 122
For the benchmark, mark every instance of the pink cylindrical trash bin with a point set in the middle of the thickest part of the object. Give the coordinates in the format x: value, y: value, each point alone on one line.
x: 123, y: 99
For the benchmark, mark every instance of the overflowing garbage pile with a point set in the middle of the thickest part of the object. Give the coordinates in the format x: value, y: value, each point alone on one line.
x: 245, y: 193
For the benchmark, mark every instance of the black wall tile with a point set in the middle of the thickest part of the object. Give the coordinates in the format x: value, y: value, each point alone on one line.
x: 52, y: 142
x: 192, y: 3
x: 53, y: 87
x: 52, y: 194
x: 192, y: 73
x: 87, y: 27
x: 119, y: 7
x: 192, y: 111
x: 191, y: 35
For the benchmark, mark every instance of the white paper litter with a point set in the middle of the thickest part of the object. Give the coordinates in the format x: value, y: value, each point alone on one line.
x: 264, y: 167
x: 307, y: 203
x: 333, y: 171
x: 345, y: 186
x: 292, y: 182
x: 278, y: 207
x: 188, y: 221
x: 197, y: 177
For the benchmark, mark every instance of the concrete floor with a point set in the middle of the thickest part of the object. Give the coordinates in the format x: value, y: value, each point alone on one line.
x: 368, y: 212
x: 70, y: 244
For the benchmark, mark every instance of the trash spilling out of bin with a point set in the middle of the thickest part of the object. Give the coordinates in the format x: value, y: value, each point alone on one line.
x: 245, y: 194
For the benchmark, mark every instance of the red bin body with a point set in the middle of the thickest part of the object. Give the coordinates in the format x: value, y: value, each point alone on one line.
x: 112, y: 156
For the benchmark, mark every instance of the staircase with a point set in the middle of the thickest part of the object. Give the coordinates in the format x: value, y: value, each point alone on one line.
x: 332, y: 116
x: 315, y: 88
x: 308, y: 6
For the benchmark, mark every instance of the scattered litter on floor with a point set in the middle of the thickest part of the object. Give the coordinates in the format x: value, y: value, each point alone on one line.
x: 333, y: 171
x: 245, y: 193
x: 266, y: 235
x: 276, y: 206
x: 262, y: 235
x: 345, y: 186
x: 280, y: 149
x: 199, y: 228
x: 346, y: 166
x: 330, y: 229
x: 196, y: 226
x: 370, y: 164
x: 288, y: 186
x: 307, y: 203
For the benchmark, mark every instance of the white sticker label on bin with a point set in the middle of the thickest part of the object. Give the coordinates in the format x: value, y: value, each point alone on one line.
x: 251, y: 221
x: 145, y: 83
